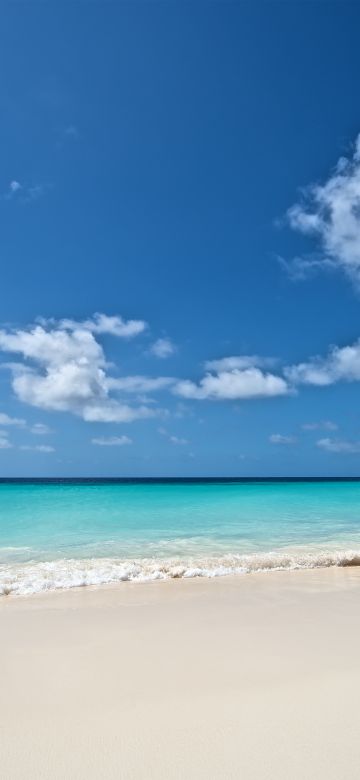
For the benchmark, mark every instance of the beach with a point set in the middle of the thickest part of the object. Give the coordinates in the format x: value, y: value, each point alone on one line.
x: 179, y: 390
x: 253, y: 676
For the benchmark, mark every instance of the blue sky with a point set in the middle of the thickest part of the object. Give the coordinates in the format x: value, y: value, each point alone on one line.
x: 180, y: 245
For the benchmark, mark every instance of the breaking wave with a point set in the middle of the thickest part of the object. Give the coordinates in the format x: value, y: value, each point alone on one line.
x: 35, y: 577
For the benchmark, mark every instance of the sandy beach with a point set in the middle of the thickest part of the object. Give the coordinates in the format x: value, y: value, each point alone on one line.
x: 253, y: 677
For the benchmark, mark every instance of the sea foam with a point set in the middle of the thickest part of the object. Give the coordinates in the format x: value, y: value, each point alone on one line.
x: 36, y: 577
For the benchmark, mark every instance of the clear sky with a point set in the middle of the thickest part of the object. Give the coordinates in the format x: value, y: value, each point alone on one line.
x: 180, y: 238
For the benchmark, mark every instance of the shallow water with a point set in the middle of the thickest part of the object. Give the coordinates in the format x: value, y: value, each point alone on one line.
x: 67, y: 533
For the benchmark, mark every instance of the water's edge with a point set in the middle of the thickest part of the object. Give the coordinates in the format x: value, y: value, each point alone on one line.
x: 30, y: 578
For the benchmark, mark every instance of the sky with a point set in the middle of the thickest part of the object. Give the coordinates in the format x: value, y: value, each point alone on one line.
x: 180, y: 239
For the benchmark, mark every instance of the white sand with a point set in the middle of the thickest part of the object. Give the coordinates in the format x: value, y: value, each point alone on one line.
x: 249, y: 678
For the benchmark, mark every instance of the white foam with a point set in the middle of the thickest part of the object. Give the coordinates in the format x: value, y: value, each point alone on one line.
x: 35, y: 577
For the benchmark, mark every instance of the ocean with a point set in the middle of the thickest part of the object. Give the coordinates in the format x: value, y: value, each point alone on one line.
x: 67, y: 533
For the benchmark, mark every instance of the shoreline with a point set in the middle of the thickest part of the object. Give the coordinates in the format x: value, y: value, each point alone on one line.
x: 29, y: 578
x: 232, y: 677
x: 336, y: 576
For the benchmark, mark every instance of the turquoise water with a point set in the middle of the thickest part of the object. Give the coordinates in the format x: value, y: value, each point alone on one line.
x: 58, y: 535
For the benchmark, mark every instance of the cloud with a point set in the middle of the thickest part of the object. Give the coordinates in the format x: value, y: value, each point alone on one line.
x: 114, y: 412
x: 140, y: 384
x: 300, y: 268
x: 341, y: 364
x: 162, y: 348
x: 325, y: 425
x: 37, y: 447
x: 102, y: 323
x: 53, y: 346
x: 330, y: 212
x: 239, y: 361
x: 178, y: 440
x: 336, y: 445
x: 40, y: 429
x: 15, y: 186
x: 277, y: 438
x: 235, y: 384
x: 6, y: 444
x: 4, y: 441
x: 65, y: 368
x: 22, y: 192
x: 111, y: 441
x: 6, y: 420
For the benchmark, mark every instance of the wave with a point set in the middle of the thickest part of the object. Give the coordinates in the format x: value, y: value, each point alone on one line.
x: 36, y: 577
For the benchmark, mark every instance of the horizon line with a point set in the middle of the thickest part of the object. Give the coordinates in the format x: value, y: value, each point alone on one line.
x: 184, y: 479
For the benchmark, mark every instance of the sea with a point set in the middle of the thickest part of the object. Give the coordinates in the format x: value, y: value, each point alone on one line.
x: 65, y: 533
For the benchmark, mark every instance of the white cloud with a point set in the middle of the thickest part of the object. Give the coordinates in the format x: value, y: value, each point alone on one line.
x: 162, y: 348
x: 300, y: 268
x: 6, y: 420
x: 233, y: 385
x: 178, y: 440
x: 4, y: 441
x: 116, y: 326
x: 15, y: 186
x: 239, y: 361
x: 37, y: 448
x: 115, y: 412
x: 277, y: 438
x: 325, y: 425
x: 139, y: 384
x: 66, y: 369
x: 102, y: 323
x: 22, y: 192
x: 331, y: 213
x: 111, y: 441
x: 53, y: 346
x: 341, y: 364
x: 336, y: 445
x: 40, y: 429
